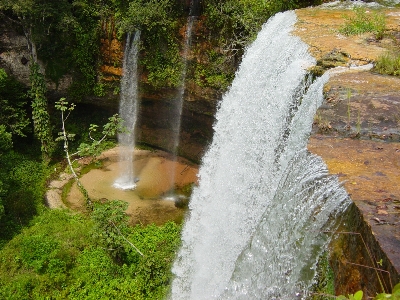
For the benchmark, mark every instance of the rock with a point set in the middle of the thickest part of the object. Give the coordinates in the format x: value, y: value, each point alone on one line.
x: 362, y: 106
x: 53, y: 199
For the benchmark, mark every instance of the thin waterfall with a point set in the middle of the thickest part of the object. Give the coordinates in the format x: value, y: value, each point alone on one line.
x: 254, y: 225
x: 177, y: 113
x: 128, y: 112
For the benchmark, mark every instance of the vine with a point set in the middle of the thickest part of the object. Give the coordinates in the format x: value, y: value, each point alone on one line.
x: 40, y: 114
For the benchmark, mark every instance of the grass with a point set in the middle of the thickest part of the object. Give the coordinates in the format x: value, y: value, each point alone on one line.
x: 388, y: 63
x: 363, y: 21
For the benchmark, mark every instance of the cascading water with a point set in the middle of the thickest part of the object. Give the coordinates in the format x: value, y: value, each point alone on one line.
x: 177, y: 109
x: 255, y: 222
x: 128, y: 112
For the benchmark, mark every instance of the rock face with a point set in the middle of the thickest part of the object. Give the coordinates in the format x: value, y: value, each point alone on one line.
x: 154, y: 121
x: 14, y: 54
x: 15, y: 57
x: 351, y: 132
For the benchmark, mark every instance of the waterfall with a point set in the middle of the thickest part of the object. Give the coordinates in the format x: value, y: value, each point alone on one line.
x: 128, y: 112
x: 254, y: 225
x: 177, y: 109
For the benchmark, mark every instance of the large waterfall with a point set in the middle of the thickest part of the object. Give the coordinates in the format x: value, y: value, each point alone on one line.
x: 255, y: 220
x: 128, y: 112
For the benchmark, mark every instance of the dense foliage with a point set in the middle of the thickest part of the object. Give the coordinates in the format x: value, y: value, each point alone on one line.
x: 62, y: 256
x: 13, y: 102
x: 159, y: 23
x: 66, y: 35
x: 40, y: 114
x: 22, y: 186
x: 22, y: 177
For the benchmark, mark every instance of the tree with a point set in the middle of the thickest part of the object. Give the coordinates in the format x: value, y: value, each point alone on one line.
x: 111, y: 226
x: 93, y: 149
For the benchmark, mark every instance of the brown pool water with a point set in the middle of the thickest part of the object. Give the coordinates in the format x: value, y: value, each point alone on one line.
x: 147, y: 203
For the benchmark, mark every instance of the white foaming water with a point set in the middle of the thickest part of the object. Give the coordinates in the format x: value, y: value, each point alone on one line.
x: 253, y: 231
x: 128, y: 112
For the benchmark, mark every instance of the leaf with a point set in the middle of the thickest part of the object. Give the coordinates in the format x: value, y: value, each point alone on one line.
x: 382, y: 296
x: 93, y: 127
x: 358, y: 295
x: 396, y: 290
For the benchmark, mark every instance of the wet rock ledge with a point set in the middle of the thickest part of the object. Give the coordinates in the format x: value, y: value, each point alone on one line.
x: 356, y: 132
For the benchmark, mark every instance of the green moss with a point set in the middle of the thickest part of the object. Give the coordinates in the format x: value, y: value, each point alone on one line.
x: 324, y: 287
x: 66, y: 190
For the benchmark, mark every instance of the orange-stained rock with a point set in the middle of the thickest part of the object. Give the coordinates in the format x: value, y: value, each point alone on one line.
x: 110, y: 70
x: 370, y: 172
x: 363, y: 105
x: 111, y: 52
x: 319, y: 28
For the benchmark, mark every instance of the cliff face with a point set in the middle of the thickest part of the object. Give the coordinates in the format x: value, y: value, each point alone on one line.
x: 154, y: 122
x: 15, y: 57
x: 351, y: 132
x: 155, y: 119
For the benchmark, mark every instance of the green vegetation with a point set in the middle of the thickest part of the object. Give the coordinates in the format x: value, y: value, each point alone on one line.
x: 22, y: 174
x: 62, y: 256
x: 388, y: 63
x: 363, y: 21
x: 158, y: 22
x: 325, y: 284
x: 231, y: 26
x: 393, y: 296
x: 64, y: 35
x: 59, y: 254
x: 22, y: 183
x: 359, y: 295
x: 40, y: 114
x: 13, y: 101
x: 93, y: 148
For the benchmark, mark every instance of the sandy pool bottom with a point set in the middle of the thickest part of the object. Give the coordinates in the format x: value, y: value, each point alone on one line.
x: 149, y: 201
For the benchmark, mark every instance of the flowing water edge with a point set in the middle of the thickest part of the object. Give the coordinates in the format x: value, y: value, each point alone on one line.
x: 255, y: 221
